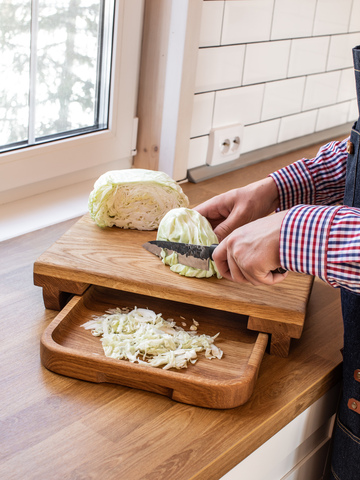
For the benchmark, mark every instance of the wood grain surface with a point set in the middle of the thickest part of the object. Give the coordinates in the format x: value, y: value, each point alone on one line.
x: 115, y: 258
x: 67, y: 348
x: 57, y: 427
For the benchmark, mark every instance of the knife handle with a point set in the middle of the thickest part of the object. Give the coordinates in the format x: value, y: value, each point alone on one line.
x: 279, y: 270
x: 212, y: 248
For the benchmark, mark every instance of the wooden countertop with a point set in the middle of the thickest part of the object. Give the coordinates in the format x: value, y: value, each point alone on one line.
x: 58, y: 427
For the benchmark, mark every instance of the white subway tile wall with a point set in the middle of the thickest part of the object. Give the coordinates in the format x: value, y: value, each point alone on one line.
x: 220, y: 67
x: 282, y: 68
x: 293, y: 19
x: 247, y: 21
x: 198, y: 146
x: 331, y: 116
x: 202, y: 113
x: 347, y: 85
x: 260, y: 135
x: 297, y: 125
x: 238, y: 105
x: 332, y: 16
x: 308, y: 55
x: 283, y: 97
x: 211, y: 24
x: 355, y: 15
x: 266, y: 61
x: 321, y: 89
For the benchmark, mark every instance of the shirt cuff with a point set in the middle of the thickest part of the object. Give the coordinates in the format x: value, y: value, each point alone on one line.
x: 304, y: 238
x: 343, y: 251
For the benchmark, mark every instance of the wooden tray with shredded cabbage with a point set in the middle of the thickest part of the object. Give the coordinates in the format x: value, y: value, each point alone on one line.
x: 192, y: 354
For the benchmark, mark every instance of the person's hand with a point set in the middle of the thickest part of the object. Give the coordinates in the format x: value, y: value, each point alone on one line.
x: 235, y: 208
x: 251, y: 253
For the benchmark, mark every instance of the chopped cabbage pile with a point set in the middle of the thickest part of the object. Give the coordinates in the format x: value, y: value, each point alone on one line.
x: 134, y: 199
x: 142, y: 336
x: 187, y: 226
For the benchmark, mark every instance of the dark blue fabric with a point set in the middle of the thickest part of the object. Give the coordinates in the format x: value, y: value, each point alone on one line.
x: 356, y: 57
x: 352, y: 170
x: 345, y: 462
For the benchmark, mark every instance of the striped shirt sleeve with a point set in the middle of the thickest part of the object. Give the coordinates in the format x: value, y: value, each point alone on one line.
x: 316, y: 181
x: 319, y: 236
x: 323, y: 241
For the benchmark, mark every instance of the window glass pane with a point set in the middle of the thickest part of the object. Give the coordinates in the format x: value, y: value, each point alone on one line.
x: 67, y: 52
x: 59, y: 80
x: 15, y: 18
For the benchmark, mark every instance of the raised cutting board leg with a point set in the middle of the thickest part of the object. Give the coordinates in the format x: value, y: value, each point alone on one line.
x: 53, y: 298
x: 281, y: 334
x: 280, y: 344
x: 56, y: 291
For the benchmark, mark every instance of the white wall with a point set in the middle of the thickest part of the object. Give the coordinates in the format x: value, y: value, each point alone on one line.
x: 282, y: 68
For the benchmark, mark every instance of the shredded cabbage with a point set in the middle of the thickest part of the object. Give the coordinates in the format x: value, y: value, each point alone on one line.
x: 142, y: 336
x: 134, y: 198
x: 187, y: 226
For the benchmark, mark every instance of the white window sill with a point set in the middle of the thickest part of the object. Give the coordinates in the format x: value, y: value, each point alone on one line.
x: 39, y: 211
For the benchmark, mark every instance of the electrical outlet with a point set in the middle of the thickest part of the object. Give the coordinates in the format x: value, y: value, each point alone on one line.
x: 224, y: 144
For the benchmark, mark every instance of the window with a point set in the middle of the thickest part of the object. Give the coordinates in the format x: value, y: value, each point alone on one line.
x: 55, y: 66
x: 69, y: 72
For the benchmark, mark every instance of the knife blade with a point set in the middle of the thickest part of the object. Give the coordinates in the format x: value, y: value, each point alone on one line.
x: 196, y: 256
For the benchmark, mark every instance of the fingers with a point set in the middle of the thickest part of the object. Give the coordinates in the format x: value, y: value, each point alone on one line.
x: 222, y: 231
x: 239, y: 206
x: 227, y: 226
x: 243, y: 263
x: 230, y: 270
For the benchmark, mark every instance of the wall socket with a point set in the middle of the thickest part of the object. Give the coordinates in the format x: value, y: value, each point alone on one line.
x: 224, y: 144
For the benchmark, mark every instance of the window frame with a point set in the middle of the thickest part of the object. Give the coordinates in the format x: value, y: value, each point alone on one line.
x: 35, y: 169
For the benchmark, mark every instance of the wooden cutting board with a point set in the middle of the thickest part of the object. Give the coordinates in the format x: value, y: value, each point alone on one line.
x: 114, y: 258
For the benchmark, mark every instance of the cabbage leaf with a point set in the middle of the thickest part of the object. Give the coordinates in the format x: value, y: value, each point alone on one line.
x: 134, y: 198
x: 187, y: 226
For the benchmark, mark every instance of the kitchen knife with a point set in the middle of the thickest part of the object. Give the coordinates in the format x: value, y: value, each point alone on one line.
x: 196, y: 256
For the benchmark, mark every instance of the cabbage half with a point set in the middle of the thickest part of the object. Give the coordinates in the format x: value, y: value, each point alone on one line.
x: 187, y: 226
x: 134, y: 198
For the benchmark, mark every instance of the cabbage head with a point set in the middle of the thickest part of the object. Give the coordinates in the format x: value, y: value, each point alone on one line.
x: 134, y: 199
x: 187, y: 226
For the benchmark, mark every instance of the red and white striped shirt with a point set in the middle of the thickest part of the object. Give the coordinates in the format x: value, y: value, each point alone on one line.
x: 319, y: 236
